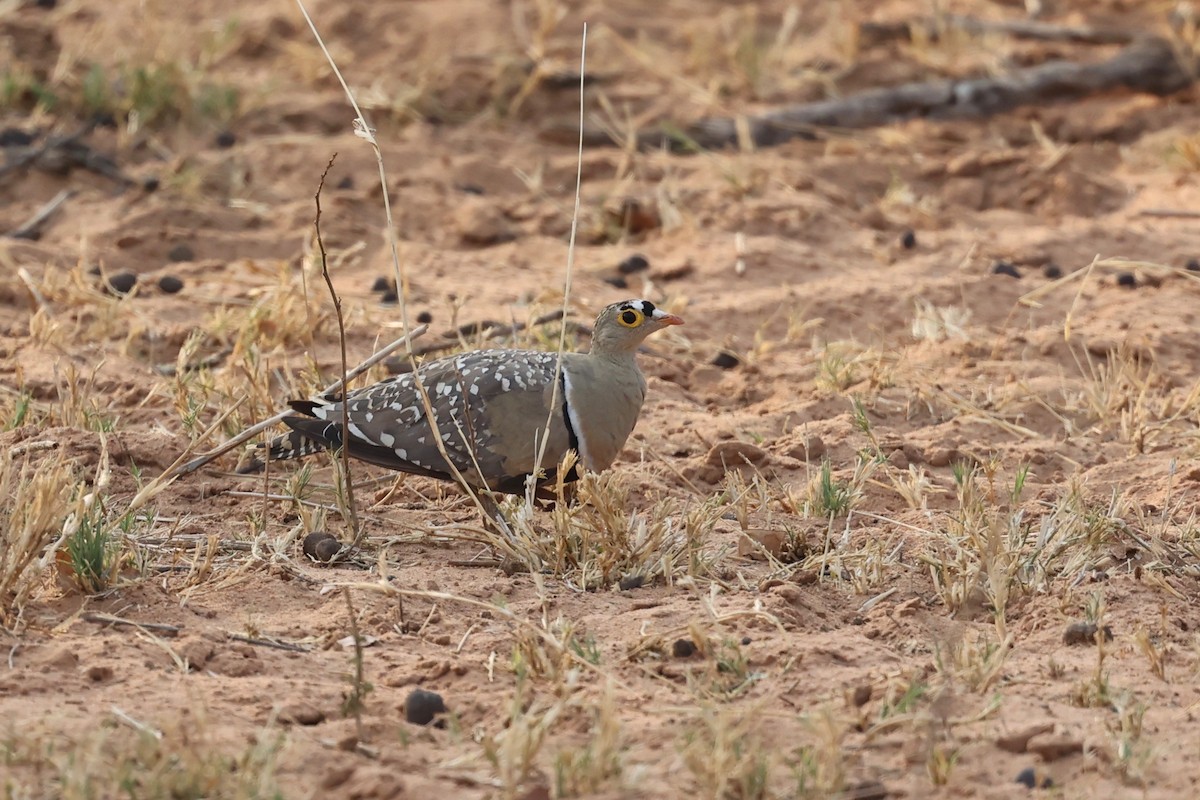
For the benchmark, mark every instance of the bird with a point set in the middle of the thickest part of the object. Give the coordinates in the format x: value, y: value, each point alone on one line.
x: 491, y: 410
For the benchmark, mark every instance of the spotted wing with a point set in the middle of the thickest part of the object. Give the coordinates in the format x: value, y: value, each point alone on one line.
x: 489, y: 407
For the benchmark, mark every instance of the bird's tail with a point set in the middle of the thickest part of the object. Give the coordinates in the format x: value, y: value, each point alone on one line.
x: 292, y: 444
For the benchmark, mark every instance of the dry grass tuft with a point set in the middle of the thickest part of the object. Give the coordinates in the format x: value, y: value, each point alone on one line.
x: 597, y: 537
x: 35, y: 501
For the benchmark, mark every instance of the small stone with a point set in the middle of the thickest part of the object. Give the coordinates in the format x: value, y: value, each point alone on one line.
x: 675, y: 273
x: 940, y: 456
x: 1052, y: 748
x: 389, y: 297
x: 346, y: 182
x: 321, y: 546
x: 725, y: 360
x: 1078, y: 633
x: 811, y: 449
x: 633, y: 215
x: 735, y: 454
x: 301, y: 713
x: 470, y: 188
x: 169, y: 284
x: 1019, y: 742
x: 150, y: 184
x: 122, y: 283
x: 635, y: 263
x: 908, y: 240
x: 683, y: 648
x: 381, y: 284
x: 630, y: 582
x: 99, y: 673
x: 861, y: 695
x: 15, y: 137
x: 1193, y: 265
x: 753, y: 541
x: 225, y: 140
x: 1005, y: 268
x: 424, y: 318
x: 746, y: 640
x: 1127, y: 279
x: 1052, y: 271
x: 46, y: 4
x: 617, y: 281
x: 1033, y: 778
x: 180, y: 252
x: 421, y: 707
x: 481, y: 224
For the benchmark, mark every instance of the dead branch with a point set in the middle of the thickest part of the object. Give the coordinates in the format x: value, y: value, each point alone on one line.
x: 1150, y: 64
x: 32, y: 227
x: 109, y: 619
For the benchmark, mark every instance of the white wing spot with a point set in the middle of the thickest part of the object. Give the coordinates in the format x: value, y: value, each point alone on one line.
x: 387, y: 440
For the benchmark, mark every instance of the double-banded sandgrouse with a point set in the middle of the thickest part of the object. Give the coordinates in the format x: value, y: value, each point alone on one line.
x: 491, y: 408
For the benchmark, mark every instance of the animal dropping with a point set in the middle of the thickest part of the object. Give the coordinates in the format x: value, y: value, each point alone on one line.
x: 490, y: 410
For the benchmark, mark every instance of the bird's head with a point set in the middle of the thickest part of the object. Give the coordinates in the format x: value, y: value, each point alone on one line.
x: 622, y: 326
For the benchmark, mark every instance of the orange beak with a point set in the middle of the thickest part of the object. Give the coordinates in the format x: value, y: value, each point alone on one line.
x: 670, y: 319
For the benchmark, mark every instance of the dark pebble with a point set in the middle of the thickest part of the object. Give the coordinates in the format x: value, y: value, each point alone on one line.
x: 616, y: 280
x: 170, y: 284
x: 122, y: 282
x: 470, y: 188
x: 321, y: 546
x: 909, y: 240
x: 346, y: 183
x: 635, y: 263
x: 1052, y: 271
x: 683, y: 648
x: 381, y: 284
x: 389, y: 296
x: 746, y: 640
x: 1193, y: 265
x: 422, y: 707
x: 151, y: 184
x: 1030, y: 778
x: 225, y: 140
x: 631, y: 582
x: 180, y: 252
x: 104, y: 119
x: 15, y: 137
x: 1127, y: 279
x: 725, y: 360
x: 1005, y: 268
x: 1085, y: 633
x: 46, y: 4
x: 424, y: 318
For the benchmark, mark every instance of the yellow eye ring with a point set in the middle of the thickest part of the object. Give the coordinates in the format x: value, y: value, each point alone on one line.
x: 630, y: 318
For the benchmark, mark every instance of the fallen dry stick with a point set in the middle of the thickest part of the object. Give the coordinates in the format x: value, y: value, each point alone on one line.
x: 1149, y: 64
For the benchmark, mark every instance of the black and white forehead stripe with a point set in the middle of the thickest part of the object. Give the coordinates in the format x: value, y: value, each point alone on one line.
x: 645, y: 306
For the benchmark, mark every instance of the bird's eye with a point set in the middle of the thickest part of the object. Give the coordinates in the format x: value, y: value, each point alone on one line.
x: 630, y: 318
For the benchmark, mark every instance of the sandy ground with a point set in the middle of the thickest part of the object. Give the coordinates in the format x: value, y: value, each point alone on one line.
x: 838, y: 667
